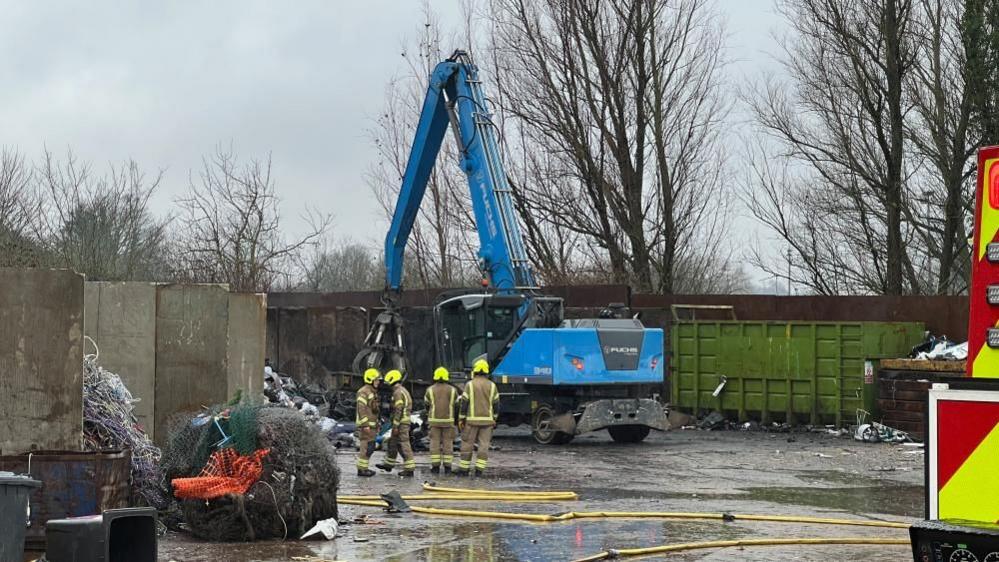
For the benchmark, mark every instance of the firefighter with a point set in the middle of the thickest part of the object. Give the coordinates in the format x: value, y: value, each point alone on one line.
x: 402, y: 406
x: 479, y: 408
x: 367, y: 420
x: 440, y: 399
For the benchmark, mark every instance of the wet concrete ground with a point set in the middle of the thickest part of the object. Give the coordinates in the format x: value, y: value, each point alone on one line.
x: 738, y: 472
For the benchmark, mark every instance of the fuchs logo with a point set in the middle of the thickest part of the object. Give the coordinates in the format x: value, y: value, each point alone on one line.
x: 625, y: 350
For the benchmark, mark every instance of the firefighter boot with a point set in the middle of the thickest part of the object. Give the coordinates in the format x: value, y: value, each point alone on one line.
x: 435, y: 469
x: 447, y: 469
x: 408, y: 473
x: 365, y: 472
x: 460, y: 472
x: 385, y: 466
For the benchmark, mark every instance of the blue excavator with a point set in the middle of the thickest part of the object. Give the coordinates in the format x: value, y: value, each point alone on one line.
x: 564, y: 377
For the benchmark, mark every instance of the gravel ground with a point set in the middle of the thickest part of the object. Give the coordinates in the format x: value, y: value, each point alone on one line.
x: 814, y: 474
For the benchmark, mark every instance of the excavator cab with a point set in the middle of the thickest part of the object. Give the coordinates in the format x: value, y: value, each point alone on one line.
x: 470, y: 326
x: 473, y: 325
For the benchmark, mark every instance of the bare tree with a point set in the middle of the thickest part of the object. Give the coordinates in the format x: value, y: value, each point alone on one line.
x: 832, y: 182
x: 942, y: 134
x: 342, y: 266
x: 560, y: 255
x: 620, y: 106
x: 230, y: 225
x: 20, y: 211
x: 980, y: 35
x: 101, y: 225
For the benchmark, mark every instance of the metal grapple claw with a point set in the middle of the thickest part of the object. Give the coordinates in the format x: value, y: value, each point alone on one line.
x: 383, y: 347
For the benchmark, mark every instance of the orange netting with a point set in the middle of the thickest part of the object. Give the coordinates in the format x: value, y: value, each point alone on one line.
x: 226, y: 472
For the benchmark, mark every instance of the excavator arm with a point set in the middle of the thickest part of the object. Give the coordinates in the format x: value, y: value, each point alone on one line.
x: 454, y: 99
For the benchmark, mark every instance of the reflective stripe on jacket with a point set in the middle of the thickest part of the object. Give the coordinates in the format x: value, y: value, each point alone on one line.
x: 367, y: 406
x: 440, y: 399
x: 480, y: 401
x: 402, y: 405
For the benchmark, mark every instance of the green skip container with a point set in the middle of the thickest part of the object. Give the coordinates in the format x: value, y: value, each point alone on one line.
x: 797, y: 372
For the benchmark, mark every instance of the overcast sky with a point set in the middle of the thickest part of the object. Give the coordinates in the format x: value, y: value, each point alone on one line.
x: 164, y: 82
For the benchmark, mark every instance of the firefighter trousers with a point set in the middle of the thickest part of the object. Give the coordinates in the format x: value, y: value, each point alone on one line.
x: 442, y: 445
x: 473, y: 435
x: 365, y: 447
x: 399, y: 443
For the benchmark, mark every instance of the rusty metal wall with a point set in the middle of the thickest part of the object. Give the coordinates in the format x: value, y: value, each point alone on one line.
x: 314, y: 343
x: 941, y: 314
x: 311, y: 335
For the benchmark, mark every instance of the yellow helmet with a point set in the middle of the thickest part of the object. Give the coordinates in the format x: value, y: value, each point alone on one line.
x: 393, y: 376
x: 480, y: 367
x: 371, y: 375
x: 441, y: 374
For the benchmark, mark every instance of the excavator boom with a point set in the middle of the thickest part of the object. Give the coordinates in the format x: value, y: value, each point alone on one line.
x: 454, y: 100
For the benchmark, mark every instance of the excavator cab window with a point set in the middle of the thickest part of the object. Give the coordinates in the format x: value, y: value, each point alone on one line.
x: 473, y: 325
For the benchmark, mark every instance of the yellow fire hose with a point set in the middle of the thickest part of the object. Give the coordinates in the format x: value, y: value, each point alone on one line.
x: 465, y: 491
x: 460, y: 498
x: 544, y: 518
x: 461, y: 494
x: 466, y: 494
x: 624, y: 553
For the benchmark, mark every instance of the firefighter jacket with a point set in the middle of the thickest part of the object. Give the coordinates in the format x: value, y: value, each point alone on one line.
x: 402, y: 405
x: 480, y: 401
x: 440, y: 399
x: 367, y: 407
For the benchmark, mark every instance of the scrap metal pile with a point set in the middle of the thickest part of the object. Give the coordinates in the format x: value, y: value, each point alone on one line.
x: 934, y: 348
x: 247, y: 472
x: 321, y: 407
x: 109, y: 423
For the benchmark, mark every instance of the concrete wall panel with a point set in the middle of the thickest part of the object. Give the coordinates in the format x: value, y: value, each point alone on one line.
x: 191, y: 348
x: 41, y: 360
x: 91, y: 302
x: 247, y: 343
x: 121, y: 319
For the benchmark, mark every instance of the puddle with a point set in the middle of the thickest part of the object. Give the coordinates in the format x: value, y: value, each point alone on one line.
x: 833, y: 476
x: 471, y: 542
x: 178, y: 548
x: 886, y: 498
x: 906, y: 501
x: 491, y: 541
